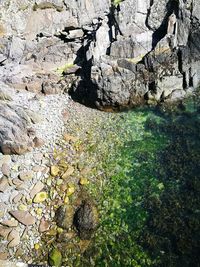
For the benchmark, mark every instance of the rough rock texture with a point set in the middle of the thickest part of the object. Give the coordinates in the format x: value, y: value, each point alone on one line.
x: 14, y: 132
x: 110, y: 55
x: 86, y: 219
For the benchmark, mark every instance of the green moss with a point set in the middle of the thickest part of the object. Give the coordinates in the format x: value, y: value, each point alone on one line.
x: 64, y: 68
x: 116, y: 2
x: 55, y: 258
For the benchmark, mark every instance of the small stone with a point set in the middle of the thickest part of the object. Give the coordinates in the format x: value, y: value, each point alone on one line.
x: 39, y: 211
x: 10, y: 223
x: 15, y: 167
x: 14, y: 233
x: 19, y: 253
x: 14, y: 239
x: 59, y: 182
x: 4, y: 231
x: 36, y: 246
x: 54, y: 170
x: 55, y: 258
x: 40, y: 197
x: 69, y: 172
x: 59, y: 230
x: 66, y: 200
x: 39, y: 169
x: 68, y: 137
x: 38, y: 142
x: 23, y: 217
x: 4, y: 255
x: 70, y: 190
x: 26, y: 175
x: 17, y: 198
x: 44, y: 225
x: 22, y: 186
x: 36, y: 189
x: 5, y: 169
x: 84, y: 181
x: 17, y: 182
x: 3, y: 184
x: 22, y: 207
x: 5, y: 159
x: 38, y: 157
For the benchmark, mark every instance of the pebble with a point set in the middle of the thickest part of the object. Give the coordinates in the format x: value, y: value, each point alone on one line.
x: 5, y: 169
x: 4, y: 231
x: 17, y: 198
x: 54, y: 170
x: 36, y: 189
x: 3, y: 184
x: 40, y: 197
x: 5, y: 159
x: 43, y: 226
x: 38, y: 142
x: 26, y: 175
x: 84, y: 181
x: 23, y: 217
x: 69, y: 172
x: 4, y: 255
x: 17, y: 181
x: 14, y: 239
x: 10, y: 223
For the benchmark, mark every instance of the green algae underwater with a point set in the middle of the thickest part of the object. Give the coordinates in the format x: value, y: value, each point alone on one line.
x: 146, y: 187
x: 149, y: 192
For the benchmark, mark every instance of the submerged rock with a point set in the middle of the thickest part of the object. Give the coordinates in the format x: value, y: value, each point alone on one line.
x: 64, y: 216
x: 86, y: 219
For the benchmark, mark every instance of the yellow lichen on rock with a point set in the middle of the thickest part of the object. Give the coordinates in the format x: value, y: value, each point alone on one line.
x: 84, y: 181
x: 40, y: 197
x: 54, y: 170
x: 70, y: 190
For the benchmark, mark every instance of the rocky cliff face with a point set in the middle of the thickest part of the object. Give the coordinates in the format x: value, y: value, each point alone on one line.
x: 113, y: 54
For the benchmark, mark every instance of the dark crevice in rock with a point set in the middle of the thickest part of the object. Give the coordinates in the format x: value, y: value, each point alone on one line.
x: 84, y: 91
x: 172, y: 7
x: 148, y: 14
x: 180, y: 67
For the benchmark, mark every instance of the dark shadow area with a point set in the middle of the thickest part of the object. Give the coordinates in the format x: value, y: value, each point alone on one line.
x: 172, y: 233
x: 172, y: 6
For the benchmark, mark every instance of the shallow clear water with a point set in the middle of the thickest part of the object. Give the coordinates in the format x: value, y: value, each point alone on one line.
x: 148, y: 190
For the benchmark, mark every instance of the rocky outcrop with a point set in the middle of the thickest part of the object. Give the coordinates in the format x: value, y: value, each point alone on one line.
x: 15, y: 135
x: 124, y: 54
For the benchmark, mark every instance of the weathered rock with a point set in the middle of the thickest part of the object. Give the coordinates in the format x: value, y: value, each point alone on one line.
x: 14, y: 238
x: 38, y: 142
x: 3, y: 184
x: 23, y: 217
x: 54, y: 170
x: 40, y: 197
x: 44, y: 225
x: 5, y: 169
x: 4, y: 231
x: 4, y: 256
x: 10, y: 223
x: 64, y: 216
x: 36, y: 189
x: 26, y: 175
x: 14, y: 137
x: 86, y: 219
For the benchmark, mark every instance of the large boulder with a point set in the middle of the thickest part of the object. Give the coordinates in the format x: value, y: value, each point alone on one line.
x: 15, y: 135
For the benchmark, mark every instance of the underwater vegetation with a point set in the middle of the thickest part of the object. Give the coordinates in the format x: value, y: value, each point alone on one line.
x: 149, y: 205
